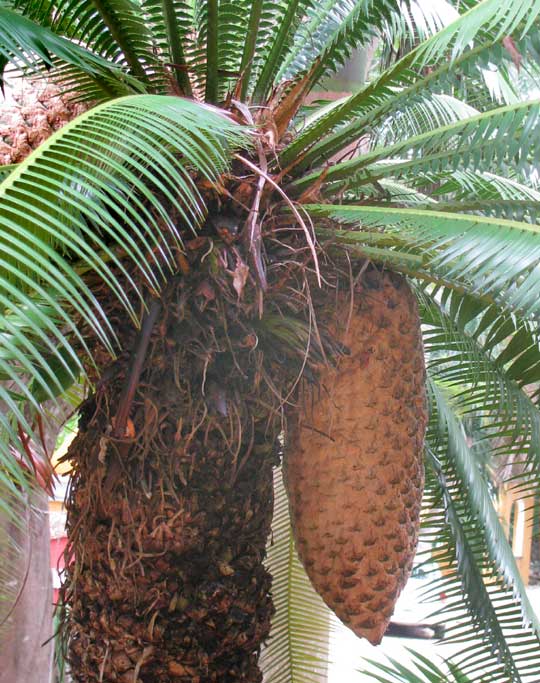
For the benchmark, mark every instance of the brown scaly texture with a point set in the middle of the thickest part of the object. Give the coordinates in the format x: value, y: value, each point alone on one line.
x: 31, y: 114
x: 354, y: 466
x: 168, y: 523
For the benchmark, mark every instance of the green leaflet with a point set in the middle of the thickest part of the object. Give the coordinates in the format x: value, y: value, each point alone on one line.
x: 298, y: 648
x: 488, y: 256
x: 37, y: 47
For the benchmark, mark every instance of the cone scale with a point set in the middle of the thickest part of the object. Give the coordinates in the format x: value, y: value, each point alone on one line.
x: 354, y: 468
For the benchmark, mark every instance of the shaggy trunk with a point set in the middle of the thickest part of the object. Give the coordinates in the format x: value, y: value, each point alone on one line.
x: 172, y: 586
x: 171, y: 499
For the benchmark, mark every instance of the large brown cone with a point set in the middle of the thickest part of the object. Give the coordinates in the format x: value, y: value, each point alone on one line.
x: 354, y: 464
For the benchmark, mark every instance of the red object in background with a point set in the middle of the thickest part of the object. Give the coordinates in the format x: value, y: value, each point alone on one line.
x: 57, y: 562
x: 34, y: 461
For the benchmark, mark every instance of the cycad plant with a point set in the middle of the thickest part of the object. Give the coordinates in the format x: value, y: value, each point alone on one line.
x: 174, y: 249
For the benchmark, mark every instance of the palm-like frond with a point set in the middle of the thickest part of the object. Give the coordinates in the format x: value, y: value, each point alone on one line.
x: 417, y: 21
x: 491, y: 360
x: 113, y: 29
x: 299, y: 644
x: 329, y: 35
x: 225, y: 52
x: 463, y: 144
x: 171, y: 23
x: 279, y: 23
x: 450, y: 432
x: 134, y: 156
x: 422, y: 670
x: 489, y: 18
x: 37, y: 47
x: 424, y: 114
x: 488, y: 257
x: 485, y: 193
x: 495, y: 621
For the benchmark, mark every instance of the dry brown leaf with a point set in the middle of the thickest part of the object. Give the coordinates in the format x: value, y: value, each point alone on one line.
x: 240, y: 276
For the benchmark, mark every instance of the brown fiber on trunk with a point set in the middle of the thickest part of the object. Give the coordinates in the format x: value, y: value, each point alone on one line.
x: 168, y: 520
x: 170, y: 585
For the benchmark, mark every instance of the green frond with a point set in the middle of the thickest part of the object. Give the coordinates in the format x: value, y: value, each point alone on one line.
x: 321, y: 21
x: 488, y: 360
x: 494, y: 637
x: 266, y: 38
x: 415, y: 22
x: 36, y: 48
x: 486, y: 256
x: 356, y: 116
x: 467, y: 185
x: 113, y: 148
x: 228, y: 34
x: 298, y: 648
x: 423, y: 115
x: 237, y: 30
x: 460, y: 462
x: 461, y: 520
x: 510, y: 343
x: 219, y: 31
x: 511, y: 209
x: 468, y: 357
x: 422, y: 670
x: 485, y: 193
x: 124, y: 22
x: 114, y: 29
x: 489, y: 20
x: 479, y: 143
x: 327, y: 38
x: 171, y: 23
x: 392, y: 193
x: 250, y: 45
x: 279, y: 22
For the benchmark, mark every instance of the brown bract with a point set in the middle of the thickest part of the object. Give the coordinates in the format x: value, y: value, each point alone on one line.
x: 354, y: 460
x: 31, y: 114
